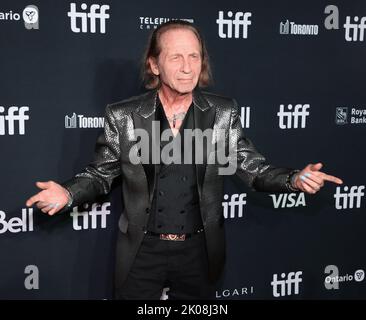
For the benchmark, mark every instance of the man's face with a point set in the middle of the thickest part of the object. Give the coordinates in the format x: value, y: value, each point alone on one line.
x: 179, y: 63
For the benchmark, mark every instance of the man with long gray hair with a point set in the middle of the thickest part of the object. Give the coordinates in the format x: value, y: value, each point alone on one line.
x: 171, y: 233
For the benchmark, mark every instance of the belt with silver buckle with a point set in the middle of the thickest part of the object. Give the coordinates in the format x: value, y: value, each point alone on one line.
x: 174, y: 236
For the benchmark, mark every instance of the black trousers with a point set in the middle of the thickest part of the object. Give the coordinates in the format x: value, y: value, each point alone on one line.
x: 179, y: 265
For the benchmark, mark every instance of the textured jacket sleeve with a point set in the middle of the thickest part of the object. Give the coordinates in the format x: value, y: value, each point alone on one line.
x: 251, y: 165
x: 97, y: 177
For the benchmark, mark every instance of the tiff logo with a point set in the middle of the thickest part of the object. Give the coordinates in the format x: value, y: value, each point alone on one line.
x: 240, y: 23
x: 287, y: 286
x: 355, y: 31
x: 291, y: 119
x: 245, y: 117
x: 236, y: 201
x: 97, y: 12
x: 348, y: 199
x: 15, y: 115
x: 90, y: 217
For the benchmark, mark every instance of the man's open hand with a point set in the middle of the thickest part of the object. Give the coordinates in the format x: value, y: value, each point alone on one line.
x: 310, y: 179
x: 51, y: 199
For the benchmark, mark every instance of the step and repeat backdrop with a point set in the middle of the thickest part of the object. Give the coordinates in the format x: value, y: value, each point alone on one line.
x: 297, y: 70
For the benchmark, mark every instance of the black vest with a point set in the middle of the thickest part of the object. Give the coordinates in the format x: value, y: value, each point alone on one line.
x: 175, y: 205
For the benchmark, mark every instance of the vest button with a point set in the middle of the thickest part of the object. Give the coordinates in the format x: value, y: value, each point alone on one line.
x: 161, y: 193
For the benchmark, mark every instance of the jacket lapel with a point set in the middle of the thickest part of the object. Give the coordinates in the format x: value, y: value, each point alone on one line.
x: 143, y: 118
x: 204, y: 117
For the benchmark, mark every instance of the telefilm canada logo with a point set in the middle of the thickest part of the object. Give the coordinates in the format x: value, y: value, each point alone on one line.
x: 29, y: 15
x: 148, y: 23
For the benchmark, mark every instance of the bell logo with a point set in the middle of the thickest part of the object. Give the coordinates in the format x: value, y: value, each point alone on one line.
x: 348, y: 199
x: 287, y: 286
x: 97, y: 12
x: 240, y: 23
x: 90, y: 218
x: 245, y: 117
x: 290, y: 200
x: 291, y: 119
x: 15, y: 224
x: 236, y: 200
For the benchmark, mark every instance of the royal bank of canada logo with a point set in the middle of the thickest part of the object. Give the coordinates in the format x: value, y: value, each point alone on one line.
x: 290, y: 27
x: 341, y: 115
x: 12, y: 120
x: 148, y: 23
x: 350, y: 198
x: 289, y: 284
x: 30, y: 17
x: 235, y: 25
x: 234, y: 207
x: 234, y: 292
x: 333, y: 280
x: 350, y: 115
x: 80, y: 121
x: 88, y: 19
x: 94, y: 218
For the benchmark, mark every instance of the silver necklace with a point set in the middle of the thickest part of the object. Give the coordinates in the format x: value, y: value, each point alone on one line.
x: 175, y: 117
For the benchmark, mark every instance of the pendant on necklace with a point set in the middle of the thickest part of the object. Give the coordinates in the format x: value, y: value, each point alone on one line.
x: 174, y: 120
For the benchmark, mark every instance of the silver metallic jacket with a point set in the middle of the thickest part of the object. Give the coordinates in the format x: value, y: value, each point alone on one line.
x: 138, y: 180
